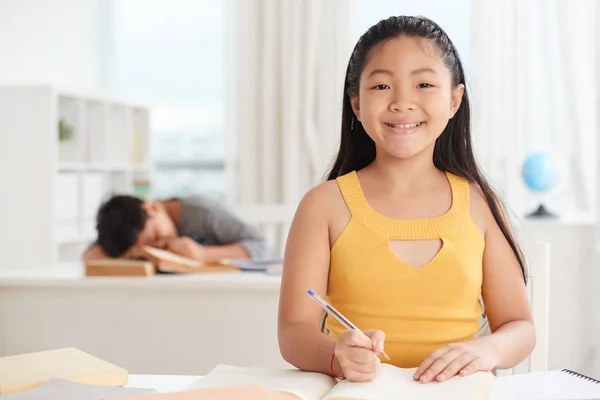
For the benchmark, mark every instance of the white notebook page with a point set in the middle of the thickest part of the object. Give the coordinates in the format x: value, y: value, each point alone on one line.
x: 551, y: 385
x: 397, y: 383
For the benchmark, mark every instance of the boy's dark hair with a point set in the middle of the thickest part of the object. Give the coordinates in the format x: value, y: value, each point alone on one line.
x: 119, y: 222
x: 453, y: 150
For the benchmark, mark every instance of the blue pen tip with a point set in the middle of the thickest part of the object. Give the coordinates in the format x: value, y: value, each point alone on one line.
x: 311, y: 292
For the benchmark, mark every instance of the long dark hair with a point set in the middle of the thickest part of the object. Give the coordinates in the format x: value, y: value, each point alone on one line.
x: 453, y: 151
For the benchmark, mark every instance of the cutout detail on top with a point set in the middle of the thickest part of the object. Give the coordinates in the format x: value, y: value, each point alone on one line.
x: 416, y: 253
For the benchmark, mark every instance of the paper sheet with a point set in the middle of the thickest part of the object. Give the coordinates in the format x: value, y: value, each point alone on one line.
x: 551, y: 385
x: 305, y: 385
x: 59, y: 389
x: 398, y: 383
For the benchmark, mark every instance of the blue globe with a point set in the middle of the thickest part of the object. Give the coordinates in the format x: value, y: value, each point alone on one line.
x: 542, y: 172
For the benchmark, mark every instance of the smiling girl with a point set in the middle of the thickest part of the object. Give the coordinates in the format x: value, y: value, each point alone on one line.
x: 406, y: 234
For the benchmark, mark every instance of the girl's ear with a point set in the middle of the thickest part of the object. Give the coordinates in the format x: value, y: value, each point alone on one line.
x: 457, y: 95
x: 355, y: 106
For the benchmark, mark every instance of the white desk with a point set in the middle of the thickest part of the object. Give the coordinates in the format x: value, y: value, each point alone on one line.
x: 574, y: 331
x: 166, y: 324
x: 162, y: 383
x: 175, y: 383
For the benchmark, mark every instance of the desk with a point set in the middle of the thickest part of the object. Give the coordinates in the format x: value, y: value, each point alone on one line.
x: 574, y: 331
x: 162, y: 383
x: 175, y: 383
x: 164, y: 324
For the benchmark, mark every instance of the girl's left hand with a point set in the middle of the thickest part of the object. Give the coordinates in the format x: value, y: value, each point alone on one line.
x: 458, y: 358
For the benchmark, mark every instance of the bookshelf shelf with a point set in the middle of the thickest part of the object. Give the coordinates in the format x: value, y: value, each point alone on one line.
x: 62, y: 154
x: 74, y: 166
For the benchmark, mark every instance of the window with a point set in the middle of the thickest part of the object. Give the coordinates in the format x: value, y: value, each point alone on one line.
x: 170, y: 55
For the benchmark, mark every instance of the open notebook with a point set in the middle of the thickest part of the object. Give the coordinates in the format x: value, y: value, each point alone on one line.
x: 555, y: 385
x: 392, y: 383
x: 239, y: 383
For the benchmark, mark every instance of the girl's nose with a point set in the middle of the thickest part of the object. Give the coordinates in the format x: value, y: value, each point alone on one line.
x: 403, y: 100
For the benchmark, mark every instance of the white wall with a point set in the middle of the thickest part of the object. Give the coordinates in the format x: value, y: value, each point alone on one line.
x: 44, y: 41
x: 57, y: 41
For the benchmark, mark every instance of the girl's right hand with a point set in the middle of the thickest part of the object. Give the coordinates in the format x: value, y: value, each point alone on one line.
x: 356, y: 353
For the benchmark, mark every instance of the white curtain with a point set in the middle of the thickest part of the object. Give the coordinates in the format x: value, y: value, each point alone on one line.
x: 594, y: 279
x: 535, y: 89
x: 290, y: 70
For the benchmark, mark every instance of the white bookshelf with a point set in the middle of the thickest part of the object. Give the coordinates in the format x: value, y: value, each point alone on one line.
x: 52, y: 188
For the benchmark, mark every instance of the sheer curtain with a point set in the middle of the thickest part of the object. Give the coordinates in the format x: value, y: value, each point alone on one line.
x: 534, y: 90
x: 594, y: 280
x: 289, y: 70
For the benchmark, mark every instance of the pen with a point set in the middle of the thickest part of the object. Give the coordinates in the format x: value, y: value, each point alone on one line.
x: 336, y: 314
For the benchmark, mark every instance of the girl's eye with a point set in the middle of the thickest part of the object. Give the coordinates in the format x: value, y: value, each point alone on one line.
x: 381, y: 87
x: 424, y: 85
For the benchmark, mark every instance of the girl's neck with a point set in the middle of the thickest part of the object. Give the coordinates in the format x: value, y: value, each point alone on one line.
x: 406, y: 174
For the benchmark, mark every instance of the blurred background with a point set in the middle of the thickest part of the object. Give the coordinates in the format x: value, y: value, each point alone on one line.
x: 241, y: 100
x: 184, y: 61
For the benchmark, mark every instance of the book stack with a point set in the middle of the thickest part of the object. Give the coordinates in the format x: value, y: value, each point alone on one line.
x: 146, y: 261
x: 27, y: 371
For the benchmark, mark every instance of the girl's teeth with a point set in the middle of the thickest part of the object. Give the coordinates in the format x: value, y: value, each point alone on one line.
x: 407, y: 126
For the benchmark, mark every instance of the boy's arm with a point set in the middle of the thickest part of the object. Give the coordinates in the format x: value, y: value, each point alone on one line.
x: 233, y: 250
x: 94, y: 252
x: 238, y: 239
x: 188, y: 247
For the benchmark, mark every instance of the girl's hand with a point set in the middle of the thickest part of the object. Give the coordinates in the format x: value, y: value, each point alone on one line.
x: 356, y: 353
x: 458, y: 358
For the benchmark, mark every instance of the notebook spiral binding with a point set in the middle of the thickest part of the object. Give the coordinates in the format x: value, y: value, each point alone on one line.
x: 581, y: 376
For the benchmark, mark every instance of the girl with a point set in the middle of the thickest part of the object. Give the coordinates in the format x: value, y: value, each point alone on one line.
x: 406, y: 234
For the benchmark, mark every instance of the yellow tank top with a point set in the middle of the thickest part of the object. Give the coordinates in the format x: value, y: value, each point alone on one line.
x: 418, y: 309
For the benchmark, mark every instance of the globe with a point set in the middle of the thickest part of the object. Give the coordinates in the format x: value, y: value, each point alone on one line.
x: 542, y: 174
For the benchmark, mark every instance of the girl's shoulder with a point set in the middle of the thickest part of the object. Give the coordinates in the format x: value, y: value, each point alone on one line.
x: 322, y: 201
x: 325, y: 193
x: 476, y: 195
x: 481, y: 213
